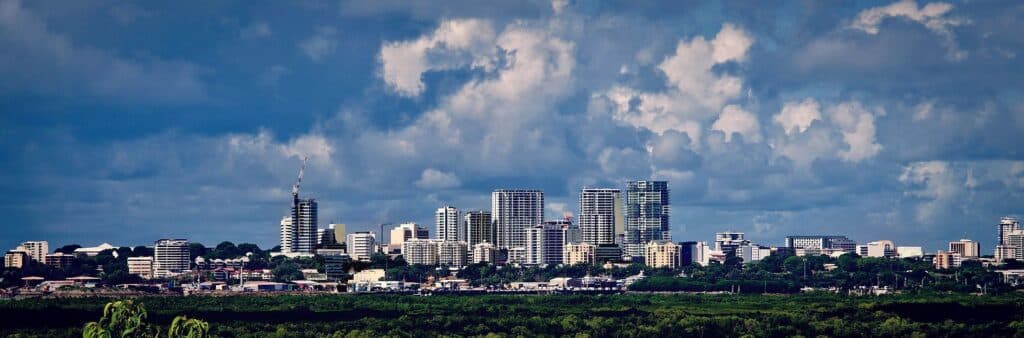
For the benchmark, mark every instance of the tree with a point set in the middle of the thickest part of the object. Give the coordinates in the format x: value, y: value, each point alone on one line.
x: 141, y: 251
x: 794, y: 265
x: 68, y: 249
x: 196, y: 249
x: 123, y: 318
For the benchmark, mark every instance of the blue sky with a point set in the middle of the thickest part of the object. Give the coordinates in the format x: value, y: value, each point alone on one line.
x: 129, y: 122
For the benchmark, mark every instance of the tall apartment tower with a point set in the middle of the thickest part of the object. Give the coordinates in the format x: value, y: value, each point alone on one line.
x: 304, y: 211
x: 601, y: 215
x: 478, y: 227
x: 545, y: 243
x: 287, y: 235
x: 36, y: 250
x: 647, y: 212
x: 447, y: 220
x: 170, y: 257
x: 1006, y: 226
x: 512, y: 212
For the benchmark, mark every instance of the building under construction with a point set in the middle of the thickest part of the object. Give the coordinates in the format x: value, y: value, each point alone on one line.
x: 298, y: 230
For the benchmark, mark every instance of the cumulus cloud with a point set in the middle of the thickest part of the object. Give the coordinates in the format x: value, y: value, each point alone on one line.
x: 734, y: 120
x: 857, y: 125
x: 321, y: 44
x: 696, y: 91
x: 436, y: 179
x: 932, y: 15
x: 798, y: 116
x: 455, y: 43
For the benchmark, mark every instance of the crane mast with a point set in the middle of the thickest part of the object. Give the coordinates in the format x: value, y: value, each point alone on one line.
x: 298, y: 182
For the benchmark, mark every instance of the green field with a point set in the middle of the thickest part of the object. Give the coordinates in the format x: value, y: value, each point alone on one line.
x: 596, y: 316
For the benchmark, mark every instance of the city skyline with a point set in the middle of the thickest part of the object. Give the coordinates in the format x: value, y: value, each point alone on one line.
x: 881, y: 120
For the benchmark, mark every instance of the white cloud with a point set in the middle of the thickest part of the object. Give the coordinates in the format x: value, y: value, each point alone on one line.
x: 858, y: 128
x: 436, y: 179
x: 933, y: 16
x: 734, y: 120
x: 321, y: 44
x: 259, y: 29
x: 696, y: 92
x: 455, y: 43
x: 798, y: 116
x: 937, y: 184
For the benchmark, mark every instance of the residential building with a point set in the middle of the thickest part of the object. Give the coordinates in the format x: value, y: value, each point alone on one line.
x: 512, y: 212
x: 966, y: 248
x: 663, y: 254
x: 478, y: 227
x: 287, y: 235
x: 484, y: 252
x: 647, y: 215
x: 452, y: 253
x: 361, y: 245
x: 752, y: 252
x: 404, y: 232
x: 447, y: 221
x: 36, y: 250
x: 728, y: 241
x: 141, y: 266
x: 170, y: 257
x: 576, y: 253
x: 420, y: 251
x: 1004, y: 252
x: 601, y: 215
x: 305, y: 211
x: 1006, y: 226
x: 821, y: 242
x: 544, y: 243
x: 16, y: 259
x: 516, y: 255
x: 946, y: 260
x: 60, y: 260
x: 909, y: 252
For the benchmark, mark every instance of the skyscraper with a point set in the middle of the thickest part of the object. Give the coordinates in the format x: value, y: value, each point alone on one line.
x: 447, y: 220
x: 647, y: 212
x: 305, y: 228
x: 544, y: 243
x: 1006, y: 226
x: 512, y: 212
x: 600, y: 215
x: 478, y: 227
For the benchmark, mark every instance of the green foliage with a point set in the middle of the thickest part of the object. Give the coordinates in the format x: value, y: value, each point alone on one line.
x: 185, y: 327
x: 120, y: 319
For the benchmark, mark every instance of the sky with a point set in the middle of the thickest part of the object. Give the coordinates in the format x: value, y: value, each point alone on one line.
x: 127, y: 122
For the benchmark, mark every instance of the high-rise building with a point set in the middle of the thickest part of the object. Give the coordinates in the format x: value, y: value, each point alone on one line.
x: 420, y: 251
x: 966, y: 248
x: 663, y: 254
x: 339, y: 231
x: 452, y: 253
x: 287, y: 235
x: 483, y: 252
x: 728, y: 241
x: 404, y: 232
x: 1004, y: 252
x: 361, y: 245
x: 36, y: 250
x: 170, y: 257
x: 576, y: 253
x: 478, y: 227
x: 647, y: 215
x: 601, y: 215
x: 1006, y: 226
x: 512, y: 212
x: 544, y: 244
x: 305, y: 212
x: 446, y: 220
x: 141, y: 266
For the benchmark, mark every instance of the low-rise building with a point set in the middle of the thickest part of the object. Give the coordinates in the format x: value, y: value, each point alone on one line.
x: 576, y: 253
x: 59, y: 260
x: 93, y: 251
x: 753, y: 252
x: 663, y: 254
x: 36, y: 250
x: 909, y: 251
x: 420, y: 251
x: 484, y: 252
x: 361, y: 245
x: 16, y: 259
x: 452, y: 253
x: 947, y: 260
x: 966, y: 248
x: 141, y: 266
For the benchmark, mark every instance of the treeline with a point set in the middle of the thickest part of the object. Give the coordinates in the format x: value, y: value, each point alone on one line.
x: 633, y: 315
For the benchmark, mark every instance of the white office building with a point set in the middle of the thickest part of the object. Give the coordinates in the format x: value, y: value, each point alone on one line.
x: 361, y: 245
x: 170, y: 257
x: 420, y: 251
x: 141, y: 266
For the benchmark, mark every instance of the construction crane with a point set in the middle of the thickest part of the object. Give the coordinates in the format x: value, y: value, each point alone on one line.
x: 298, y: 183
